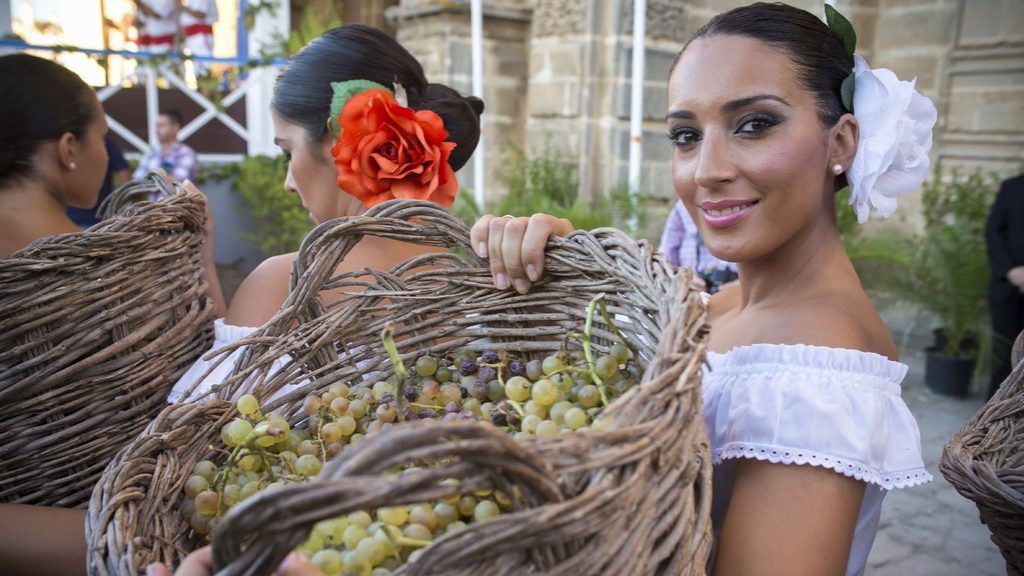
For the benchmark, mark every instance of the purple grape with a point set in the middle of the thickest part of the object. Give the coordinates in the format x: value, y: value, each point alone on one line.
x: 452, y: 407
x: 410, y: 413
x: 489, y: 357
x: 498, y: 418
x: 487, y: 373
x: 517, y: 368
x: 410, y: 393
x: 467, y: 415
x: 468, y: 367
x: 427, y: 413
x: 464, y: 391
x: 478, y: 390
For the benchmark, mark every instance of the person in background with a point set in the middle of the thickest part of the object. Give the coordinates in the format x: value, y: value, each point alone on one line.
x: 118, y: 172
x: 684, y: 247
x: 155, y: 20
x: 1004, y: 236
x: 177, y: 159
x: 197, y: 20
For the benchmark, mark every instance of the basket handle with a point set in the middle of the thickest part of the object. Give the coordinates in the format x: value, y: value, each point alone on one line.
x: 414, y: 221
x: 131, y: 192
x: 258, y: 533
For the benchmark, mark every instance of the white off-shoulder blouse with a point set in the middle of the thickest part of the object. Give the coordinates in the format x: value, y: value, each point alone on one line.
x: 188, y: 387
x: 816, y: 406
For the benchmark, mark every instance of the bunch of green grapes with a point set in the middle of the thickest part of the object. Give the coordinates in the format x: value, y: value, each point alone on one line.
x: 264, y: 453
x: 563, y: 392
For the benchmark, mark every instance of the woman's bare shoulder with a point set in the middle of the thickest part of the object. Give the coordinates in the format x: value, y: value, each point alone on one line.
x: 838, y: 321
x: 262, y: 292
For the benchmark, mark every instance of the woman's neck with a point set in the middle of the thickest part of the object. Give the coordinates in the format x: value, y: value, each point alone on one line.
x: 803, y: 268
x: 28, y: 212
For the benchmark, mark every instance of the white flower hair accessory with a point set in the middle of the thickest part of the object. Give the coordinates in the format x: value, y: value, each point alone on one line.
x: 895, y: 123
x: 895, y: 138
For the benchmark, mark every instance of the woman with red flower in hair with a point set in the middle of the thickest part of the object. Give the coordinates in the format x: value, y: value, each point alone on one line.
x: 359, y: 124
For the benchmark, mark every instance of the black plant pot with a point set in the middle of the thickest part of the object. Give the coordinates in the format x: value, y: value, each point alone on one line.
x: 947, y: 375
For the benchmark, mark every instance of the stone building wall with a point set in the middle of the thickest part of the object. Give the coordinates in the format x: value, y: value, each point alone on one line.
x: 439, y: 35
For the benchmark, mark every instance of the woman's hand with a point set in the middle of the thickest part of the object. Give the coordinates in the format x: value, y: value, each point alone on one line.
x: 200, y: 563
x: 515, y: 246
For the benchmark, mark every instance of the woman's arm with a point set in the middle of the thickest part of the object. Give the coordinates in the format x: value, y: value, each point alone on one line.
x: 209, y: 261
x: 42, y: 540
x: 788, y: 520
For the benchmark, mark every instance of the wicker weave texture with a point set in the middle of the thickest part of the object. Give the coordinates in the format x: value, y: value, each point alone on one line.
x: 633, y: 499
x: 984, y: 461
x: 97, y: 326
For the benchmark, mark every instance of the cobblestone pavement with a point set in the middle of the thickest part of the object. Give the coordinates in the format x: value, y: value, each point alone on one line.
x: 932, y: 529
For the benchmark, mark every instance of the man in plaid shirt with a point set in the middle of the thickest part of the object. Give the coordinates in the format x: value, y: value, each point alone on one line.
x: 681, y: 242
x: 173, y: 157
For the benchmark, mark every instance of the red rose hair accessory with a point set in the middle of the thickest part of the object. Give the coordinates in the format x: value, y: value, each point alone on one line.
x: 386, y: 150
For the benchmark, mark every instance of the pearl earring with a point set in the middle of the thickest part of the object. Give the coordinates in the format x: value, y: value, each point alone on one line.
x: 72, y: 166
x: 837, y: 169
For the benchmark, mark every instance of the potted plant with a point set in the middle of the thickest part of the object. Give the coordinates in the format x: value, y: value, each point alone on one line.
x: 948, y: 275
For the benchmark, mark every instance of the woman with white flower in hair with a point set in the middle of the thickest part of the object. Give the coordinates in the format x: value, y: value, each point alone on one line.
x: 770, y: 113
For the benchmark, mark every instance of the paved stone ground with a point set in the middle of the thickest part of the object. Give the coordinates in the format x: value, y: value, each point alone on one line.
x: 931, y: 529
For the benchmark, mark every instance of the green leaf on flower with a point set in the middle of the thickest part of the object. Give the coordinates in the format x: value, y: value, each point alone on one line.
x: 342, y: 91
x: 842, y: 27
x: 846, y: 92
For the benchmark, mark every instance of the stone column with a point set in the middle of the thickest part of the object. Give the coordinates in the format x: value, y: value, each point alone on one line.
x: 369, y: 12
x: 438, y: 34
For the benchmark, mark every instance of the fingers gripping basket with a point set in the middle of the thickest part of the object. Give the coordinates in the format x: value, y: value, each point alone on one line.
x: 97, y: 326
x: 633, y: 499
x: 984, y: 461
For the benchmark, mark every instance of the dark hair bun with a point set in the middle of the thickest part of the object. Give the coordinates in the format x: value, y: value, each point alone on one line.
x: 461, y: 115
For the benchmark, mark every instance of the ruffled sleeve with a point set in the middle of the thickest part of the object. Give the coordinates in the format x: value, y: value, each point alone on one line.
x: 190, y: 387
x: 812, y: 405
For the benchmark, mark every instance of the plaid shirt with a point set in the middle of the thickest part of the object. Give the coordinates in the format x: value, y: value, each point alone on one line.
x: 683, y: 245
x: 181, y: 162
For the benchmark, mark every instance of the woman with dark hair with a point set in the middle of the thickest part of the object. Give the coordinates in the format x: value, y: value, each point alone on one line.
x: 769, y: 114
x: 52, y: 153
x: 359, y: 124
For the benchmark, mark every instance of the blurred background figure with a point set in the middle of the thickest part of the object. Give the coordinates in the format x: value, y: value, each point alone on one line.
x: 1004, y: 236
x: 197, y: 19
x: 156, y: 23
x: 681, y: 242
x: 118, y: 172
x: 177, y: 159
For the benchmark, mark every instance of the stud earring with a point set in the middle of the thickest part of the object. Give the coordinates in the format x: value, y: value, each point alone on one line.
x: 837, y: 169
x: 72, y: 166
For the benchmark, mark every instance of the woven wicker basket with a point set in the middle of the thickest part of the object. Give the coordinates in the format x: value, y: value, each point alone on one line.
x: 634, y: 499
x: 97, y: 326
x: 984, y: 461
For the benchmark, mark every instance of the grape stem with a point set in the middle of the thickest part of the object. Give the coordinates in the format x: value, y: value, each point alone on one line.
x: 615, y: 329
x: 388, y: 337
x: 517, y: 406
x: 588, y: 352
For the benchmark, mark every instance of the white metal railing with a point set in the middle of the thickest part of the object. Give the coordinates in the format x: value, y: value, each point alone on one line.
x: 257, y: 86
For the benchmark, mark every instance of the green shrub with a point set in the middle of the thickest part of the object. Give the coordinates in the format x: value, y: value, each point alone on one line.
x: 278, y: 217
x: 547, y: 183
x: 945, y: 268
